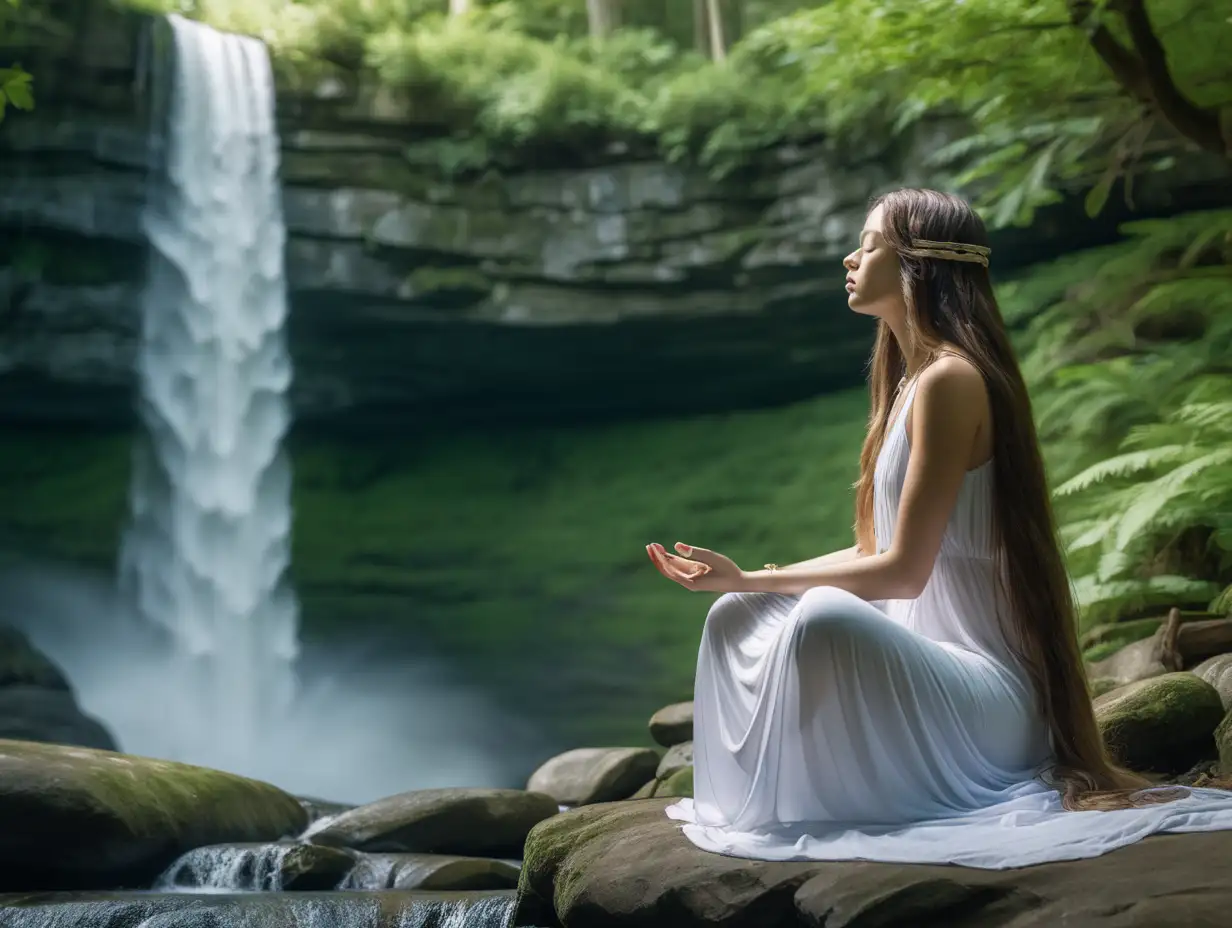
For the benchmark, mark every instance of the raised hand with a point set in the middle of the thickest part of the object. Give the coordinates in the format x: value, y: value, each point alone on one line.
x: 699, y: 569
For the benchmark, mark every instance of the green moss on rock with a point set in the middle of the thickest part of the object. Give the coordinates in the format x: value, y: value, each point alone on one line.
x: 1164, y: 724
x: 77, y: 818
x: 1101, y: 685
x: 472, y: 821
x: 427, y: 279
x: 678, y: 784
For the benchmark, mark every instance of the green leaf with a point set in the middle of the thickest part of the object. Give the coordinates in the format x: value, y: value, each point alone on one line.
x: 1097, y: 196
x: 15, y: 89
x: 1222, y: 603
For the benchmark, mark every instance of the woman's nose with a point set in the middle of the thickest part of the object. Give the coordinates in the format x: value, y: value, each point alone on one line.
x: 849, y: 262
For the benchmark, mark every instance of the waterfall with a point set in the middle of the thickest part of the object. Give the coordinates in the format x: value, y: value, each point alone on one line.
x: 227, y: 868
x: 207, y: 548
x: 199, y: 659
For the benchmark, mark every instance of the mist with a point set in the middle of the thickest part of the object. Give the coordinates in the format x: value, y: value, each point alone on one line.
x: 363, y: 724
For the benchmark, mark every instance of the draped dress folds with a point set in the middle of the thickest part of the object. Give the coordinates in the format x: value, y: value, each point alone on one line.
x: 827, y: 727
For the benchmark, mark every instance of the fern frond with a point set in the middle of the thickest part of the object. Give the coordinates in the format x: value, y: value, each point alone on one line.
x: 1222, y: 603
x: 1087, y: 533
x: 1099, y: 600
x: 1123, y: 465
x: 1216, y: 416
x: 1160, y: 492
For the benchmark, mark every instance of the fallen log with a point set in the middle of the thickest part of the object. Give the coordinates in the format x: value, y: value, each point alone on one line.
x: 1196, y: 641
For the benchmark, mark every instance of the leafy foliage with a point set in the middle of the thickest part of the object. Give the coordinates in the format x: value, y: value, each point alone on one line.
x: 1130, y: 363
x: 15, y: 89
x: 1040, y: 113
x: 1036, y: 112
x: 15, y: 82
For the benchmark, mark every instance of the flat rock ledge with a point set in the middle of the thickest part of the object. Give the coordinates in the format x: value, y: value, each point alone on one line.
x: 626, y: 864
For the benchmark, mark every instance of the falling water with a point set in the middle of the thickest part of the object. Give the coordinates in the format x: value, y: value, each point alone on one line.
x: 199, y: 659
x: 208, y: 544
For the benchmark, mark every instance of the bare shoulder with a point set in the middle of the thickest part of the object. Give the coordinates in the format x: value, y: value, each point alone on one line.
x: 954, y: 380
x: 953, y: 399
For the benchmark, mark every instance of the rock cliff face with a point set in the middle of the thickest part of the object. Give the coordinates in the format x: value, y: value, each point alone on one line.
x: 630, y: 286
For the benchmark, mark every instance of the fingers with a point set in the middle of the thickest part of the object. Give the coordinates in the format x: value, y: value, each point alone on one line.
x: 703, y: 555
x: 675, y: 568
x: 667, y: 564
x: 681, y: 565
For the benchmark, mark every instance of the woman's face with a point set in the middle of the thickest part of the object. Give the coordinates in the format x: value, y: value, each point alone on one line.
x: 874, y: 285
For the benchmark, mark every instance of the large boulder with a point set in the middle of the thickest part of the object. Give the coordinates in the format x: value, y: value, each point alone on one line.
x: 677, y: 756
x: 1136, y: 661
x: 586, y: 775
x: 36, y: 701
x: 1217, y: 671
x: 627, y: 864
x: 76, y: 818
x: 1223, y: 744
x: 673, y: 724
x: 459, y: 820
x: 1160, y: 881
x: 1165, y: 724
x: 678, y: 783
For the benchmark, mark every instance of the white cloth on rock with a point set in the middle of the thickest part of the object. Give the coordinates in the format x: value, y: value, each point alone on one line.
x: 826, y: 727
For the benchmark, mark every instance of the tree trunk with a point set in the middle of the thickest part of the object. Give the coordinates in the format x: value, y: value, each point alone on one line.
x: 458, y: 7
x: 701, y: 28
x: 718, y: 45
x: 604, y: 17
x: 1143, y: 72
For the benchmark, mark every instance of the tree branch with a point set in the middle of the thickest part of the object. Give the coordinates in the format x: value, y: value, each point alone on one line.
x: 1191, y: 120
x: 1143, y: 72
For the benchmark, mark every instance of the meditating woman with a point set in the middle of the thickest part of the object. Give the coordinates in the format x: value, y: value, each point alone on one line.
x: 919, y: 697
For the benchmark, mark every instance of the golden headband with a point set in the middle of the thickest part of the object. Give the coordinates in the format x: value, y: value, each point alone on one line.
x: 948, y: 251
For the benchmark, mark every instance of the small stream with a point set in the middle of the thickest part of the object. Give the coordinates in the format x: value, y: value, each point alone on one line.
x: 388, y: 909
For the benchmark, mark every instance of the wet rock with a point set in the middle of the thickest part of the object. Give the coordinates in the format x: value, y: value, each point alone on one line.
x: 259, y: 868
x: 77, y: 818
x: 1163, y: 724
x: 318, y: 809
x: 461, y: 820
x: 587, y: 775
x: 431, y: 872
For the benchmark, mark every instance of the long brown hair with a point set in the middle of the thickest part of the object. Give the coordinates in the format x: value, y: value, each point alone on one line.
x: 950, y: 304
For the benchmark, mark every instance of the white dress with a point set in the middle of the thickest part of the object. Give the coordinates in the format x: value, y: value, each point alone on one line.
x: 826, y: 727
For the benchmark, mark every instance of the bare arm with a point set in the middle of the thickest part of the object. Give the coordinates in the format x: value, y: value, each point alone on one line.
x: 834, y: 557
x: 946, y: 418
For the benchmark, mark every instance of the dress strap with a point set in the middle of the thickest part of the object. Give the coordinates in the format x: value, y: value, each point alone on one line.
x: 901, y: 416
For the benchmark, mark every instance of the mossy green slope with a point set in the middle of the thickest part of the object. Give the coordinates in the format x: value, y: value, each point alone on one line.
x: 519, y: 555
